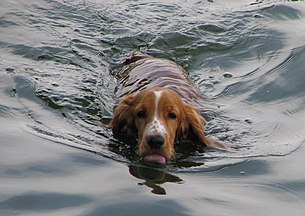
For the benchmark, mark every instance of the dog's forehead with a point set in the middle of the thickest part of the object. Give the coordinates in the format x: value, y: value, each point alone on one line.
x: 159, y: 97
x: 146, y: 95
x: 149, y: 95
x: 158, y: 94
x: 166, y: 96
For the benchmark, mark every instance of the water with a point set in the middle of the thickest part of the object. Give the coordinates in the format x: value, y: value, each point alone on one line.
x: 57, y: 61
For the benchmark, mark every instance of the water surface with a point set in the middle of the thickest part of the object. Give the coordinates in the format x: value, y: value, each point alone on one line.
x: 57, y: 65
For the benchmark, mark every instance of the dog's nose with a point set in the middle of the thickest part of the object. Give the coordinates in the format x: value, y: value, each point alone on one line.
x: 156, y: 142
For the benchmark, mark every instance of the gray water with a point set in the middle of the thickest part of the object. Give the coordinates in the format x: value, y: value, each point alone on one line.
x: 58, y: 59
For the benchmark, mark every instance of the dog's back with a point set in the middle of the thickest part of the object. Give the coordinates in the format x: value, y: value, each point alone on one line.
x: 143, y: 71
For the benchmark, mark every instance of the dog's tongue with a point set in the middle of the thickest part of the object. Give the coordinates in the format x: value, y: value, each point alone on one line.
x: 155, y: 158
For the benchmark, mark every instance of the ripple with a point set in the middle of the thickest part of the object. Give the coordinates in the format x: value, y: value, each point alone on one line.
x: 286, y: 191
x: 251, y: 74
x: 43, y: 201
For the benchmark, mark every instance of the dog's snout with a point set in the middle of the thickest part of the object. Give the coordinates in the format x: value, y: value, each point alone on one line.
x: 156, y: 141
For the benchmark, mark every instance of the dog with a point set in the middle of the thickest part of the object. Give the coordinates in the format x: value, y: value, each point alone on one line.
x: 157, y: 108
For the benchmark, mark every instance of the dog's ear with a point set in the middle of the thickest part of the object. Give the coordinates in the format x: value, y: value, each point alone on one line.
x: 122, y: 123
x: 192, y: 128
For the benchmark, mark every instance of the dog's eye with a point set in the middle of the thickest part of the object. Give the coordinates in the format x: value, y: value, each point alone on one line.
x: 141, y: 114
x: 172, y: 115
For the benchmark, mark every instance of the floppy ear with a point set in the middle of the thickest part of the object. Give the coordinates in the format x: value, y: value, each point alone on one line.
x: 192, y: 128
x: 122, y: 123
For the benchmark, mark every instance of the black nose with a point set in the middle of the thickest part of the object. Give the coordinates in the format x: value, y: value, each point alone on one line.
x: 155, y: 142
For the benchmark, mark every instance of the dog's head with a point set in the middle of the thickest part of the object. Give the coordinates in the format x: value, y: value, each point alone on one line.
x: 157, y: 118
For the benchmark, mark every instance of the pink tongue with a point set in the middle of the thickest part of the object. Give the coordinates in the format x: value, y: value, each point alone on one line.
x: 155, y: 158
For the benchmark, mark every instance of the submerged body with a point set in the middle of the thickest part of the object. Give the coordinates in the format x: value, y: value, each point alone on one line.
x: 145, y: 72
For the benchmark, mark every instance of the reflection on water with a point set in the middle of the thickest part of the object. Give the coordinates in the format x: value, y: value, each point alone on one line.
x: 153, y: 178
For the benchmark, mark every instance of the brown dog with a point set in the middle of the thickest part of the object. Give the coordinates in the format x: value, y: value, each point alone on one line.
x: 157, y: 108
